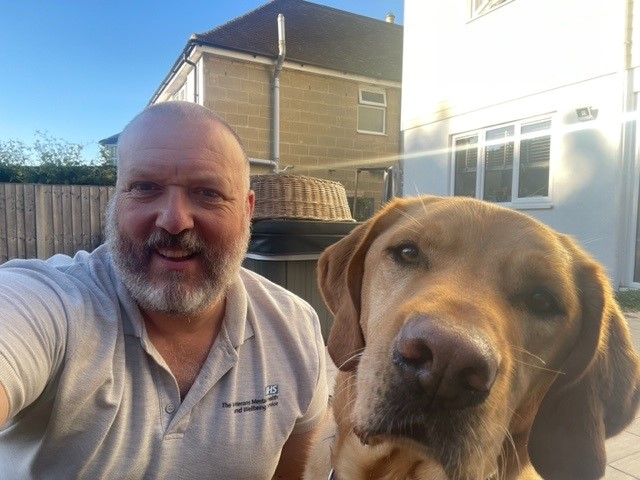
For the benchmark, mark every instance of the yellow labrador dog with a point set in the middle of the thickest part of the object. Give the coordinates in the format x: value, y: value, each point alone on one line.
x: 473, y: 343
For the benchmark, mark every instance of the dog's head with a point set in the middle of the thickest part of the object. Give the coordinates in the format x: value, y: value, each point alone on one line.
x: 478, y: 284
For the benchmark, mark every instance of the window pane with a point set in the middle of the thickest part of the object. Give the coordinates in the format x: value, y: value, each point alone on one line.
x: 466, y: 166
x: 484, y: 6
x: 372, y: 97
x: 535, y: 151
x: 498, y: 158
x: 371, y: 119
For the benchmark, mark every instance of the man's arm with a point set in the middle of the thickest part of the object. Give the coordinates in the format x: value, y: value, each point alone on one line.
x: 294, y: 455
x: 4, y: 406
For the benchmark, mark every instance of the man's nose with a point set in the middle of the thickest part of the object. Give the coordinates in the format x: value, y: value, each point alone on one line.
x: 175, y: 212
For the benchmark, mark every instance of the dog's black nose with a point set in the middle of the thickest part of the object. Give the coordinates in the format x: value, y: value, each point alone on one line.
x: 455, y: 367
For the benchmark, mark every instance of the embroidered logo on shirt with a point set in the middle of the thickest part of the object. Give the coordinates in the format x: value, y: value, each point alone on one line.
x: 271, y: 390
x: 269, y: 400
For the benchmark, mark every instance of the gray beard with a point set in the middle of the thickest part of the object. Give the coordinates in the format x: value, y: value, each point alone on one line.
x: 172, y: 294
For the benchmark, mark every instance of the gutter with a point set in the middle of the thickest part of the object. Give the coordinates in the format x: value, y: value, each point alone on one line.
x: 187, y: 51
x: 194, y: 44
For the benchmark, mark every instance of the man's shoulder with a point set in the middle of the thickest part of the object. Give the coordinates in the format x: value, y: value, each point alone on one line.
x: 83, y: 268
x: 260, y: 288
x: 282, y: 317
x: 252, y: 279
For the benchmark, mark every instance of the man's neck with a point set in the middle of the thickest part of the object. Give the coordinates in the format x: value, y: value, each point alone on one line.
x: 168, y: 325
x: 184, y: 341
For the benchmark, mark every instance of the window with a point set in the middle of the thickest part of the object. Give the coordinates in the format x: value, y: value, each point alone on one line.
x: 480, y: 7
x: 181, y: 94
x: 372, y: 110
x: 111, y: 154
x: 466, y: 165
x: 508, y: 163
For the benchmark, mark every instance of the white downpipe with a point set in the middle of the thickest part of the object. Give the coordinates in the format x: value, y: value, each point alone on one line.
x: 282, y: 50
x: 628, y: 200
x: 263, y: 162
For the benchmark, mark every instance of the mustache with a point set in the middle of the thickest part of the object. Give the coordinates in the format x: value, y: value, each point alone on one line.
x: 187, y: 240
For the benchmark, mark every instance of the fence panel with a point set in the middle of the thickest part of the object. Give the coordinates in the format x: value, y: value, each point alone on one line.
x: 31, y: 240
x: 4, y: 254
x: 37, y: 221
x: 44, y: 221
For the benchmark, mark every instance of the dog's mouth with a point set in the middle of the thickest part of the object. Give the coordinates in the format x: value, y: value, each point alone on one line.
x: 451, y: 456
x: 441, y: 434
x: 431, y: 391
x: 426, y: 430
x: 366, y: 438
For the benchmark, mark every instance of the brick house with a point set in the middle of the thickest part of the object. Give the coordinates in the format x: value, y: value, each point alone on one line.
x: 332, y: 109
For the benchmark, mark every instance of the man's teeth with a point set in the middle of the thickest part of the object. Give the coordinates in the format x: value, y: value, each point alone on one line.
x: 174, y: 253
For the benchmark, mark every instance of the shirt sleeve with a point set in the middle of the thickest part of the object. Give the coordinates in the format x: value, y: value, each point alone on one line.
x: 33, y: 326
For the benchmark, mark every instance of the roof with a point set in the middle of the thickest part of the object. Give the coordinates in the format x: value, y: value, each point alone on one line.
x: 315, y: 35
x: 112, y: 140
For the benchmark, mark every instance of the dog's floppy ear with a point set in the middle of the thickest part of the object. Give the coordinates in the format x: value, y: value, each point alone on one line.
x: 598, y: 393
x: 340, y: 271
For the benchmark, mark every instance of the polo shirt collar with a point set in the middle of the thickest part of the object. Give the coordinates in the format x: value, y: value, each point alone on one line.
x: 238, y: 317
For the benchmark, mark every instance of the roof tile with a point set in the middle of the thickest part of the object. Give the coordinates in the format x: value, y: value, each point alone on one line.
x: 315, y: 35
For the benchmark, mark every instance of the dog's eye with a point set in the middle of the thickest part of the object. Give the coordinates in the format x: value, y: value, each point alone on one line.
x: 541, y: 302
x: 406, y: 253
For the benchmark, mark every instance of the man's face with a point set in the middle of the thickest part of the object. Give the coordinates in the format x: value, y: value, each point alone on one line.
x: 178, y: 227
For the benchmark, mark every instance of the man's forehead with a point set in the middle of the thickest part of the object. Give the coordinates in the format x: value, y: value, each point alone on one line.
x: 188, y: 139
x: 169, y: 139
x: 156, y: 128
x: 173, y: 169
x: 176, y: 121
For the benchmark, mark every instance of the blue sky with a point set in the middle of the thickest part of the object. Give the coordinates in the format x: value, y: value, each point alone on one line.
x: 81, y: 69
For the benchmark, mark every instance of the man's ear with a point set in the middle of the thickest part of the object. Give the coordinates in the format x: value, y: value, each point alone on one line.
x: 251, y: 203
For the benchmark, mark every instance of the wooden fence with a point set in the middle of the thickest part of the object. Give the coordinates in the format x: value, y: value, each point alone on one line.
x: 37, y: 221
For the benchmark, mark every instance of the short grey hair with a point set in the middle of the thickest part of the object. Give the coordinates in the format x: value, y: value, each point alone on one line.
x: 186, y: 110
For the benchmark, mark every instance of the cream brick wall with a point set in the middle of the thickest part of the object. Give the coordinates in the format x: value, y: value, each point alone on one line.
x: 318, y: 119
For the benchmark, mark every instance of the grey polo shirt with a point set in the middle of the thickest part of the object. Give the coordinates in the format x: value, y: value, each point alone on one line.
x: 90, y: 397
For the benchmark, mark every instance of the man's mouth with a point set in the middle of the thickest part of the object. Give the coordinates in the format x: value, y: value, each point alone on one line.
x: 175, y: 255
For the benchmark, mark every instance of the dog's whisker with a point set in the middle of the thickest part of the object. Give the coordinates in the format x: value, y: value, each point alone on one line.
x: 348, y: 404
x: 424, y: 206
x: 524, y: 350
x: 413, y: 219
x: 511, y: 442
x: 502, y: 464
x: 351, y: 358
x: 538, y: 367
x: 486, y: 464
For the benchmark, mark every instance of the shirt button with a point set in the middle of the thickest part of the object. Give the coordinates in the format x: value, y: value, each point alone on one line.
x: 169, y: 408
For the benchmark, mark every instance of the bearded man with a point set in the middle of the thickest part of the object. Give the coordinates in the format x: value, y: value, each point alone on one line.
x: 157, y: 355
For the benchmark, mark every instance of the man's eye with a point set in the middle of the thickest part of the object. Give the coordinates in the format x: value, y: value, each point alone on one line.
x: 209, y: 193
x: 143, y: 187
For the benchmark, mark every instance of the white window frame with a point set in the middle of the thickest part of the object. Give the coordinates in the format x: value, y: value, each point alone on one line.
x: 482, y: 7
x: 181, y: 94
x: 111, y: 153
x: 524, y: 202
x: 372, y: 105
